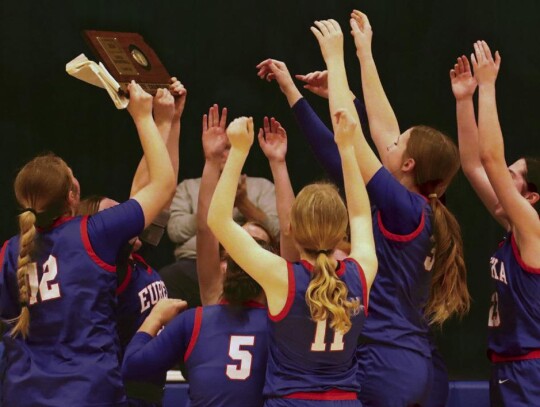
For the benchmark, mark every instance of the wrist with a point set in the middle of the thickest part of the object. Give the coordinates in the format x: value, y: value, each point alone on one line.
x: 365, y: 55
x: 464, y: 98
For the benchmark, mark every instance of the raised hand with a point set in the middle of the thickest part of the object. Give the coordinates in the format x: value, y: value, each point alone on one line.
x: 240, y: 133
x: 140, y: 102
x: 316, y: 82
x: 180, y: 93
x: 163, y: 106
x: 214, y: 135
x: 485, y: 67
x: 272, y: 69
x: 330, y: 38
x: 273, y: 140
x: 463, y: 82
x: 345, y: 127
x: 361, y: 32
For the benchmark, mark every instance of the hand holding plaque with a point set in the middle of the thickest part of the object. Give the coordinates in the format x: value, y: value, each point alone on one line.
x: 128, y: 57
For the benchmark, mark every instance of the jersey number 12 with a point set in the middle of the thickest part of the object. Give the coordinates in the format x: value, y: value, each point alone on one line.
x: 47, y: 289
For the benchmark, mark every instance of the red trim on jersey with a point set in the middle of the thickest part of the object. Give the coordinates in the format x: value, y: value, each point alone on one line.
x: 496, y: 358
x: 195, y: 333
x: 139, y: 258
x: 127, y: 279
x: 515, y: 249
x: 401, y: 238
x: 2, y: 253
x: 290, y: 296
x: 364, y: 284
x: 334, y: 394
x: 90, y: 250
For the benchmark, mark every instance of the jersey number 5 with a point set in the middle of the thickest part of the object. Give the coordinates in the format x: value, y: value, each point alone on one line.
x: 243, y: 370
x: 47, y: 289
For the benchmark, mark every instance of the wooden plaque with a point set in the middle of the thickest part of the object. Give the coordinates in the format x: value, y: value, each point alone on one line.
x: 128, y: 57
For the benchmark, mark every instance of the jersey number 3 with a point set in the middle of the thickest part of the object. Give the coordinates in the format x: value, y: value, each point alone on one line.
x: 48, y: 290
x: 242, y: 370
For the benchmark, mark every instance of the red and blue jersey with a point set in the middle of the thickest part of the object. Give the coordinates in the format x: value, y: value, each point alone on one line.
x: 138, y: 292
x: 307, y: 356
x: 402, y: 231
x: 71, y: 354
x: 514, y: 315
x: 224, y: 347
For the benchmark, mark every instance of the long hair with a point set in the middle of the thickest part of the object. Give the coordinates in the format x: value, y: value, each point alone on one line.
x: 532, y: 177
x: 319, y: 223
x: 238, y: 286
x: 89, y: 205
x: 436, y: 162
x: 44, y: 183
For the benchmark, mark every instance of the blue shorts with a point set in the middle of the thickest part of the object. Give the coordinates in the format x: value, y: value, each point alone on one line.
x: 439, y: 389
x: 278, y: 402
x: 393, y: 377
x: 515, y: 384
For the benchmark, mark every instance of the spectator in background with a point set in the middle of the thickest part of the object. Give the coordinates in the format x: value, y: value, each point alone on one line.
x: 255, y: 201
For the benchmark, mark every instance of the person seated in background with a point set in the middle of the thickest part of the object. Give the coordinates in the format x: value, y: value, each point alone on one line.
x: 255, y: 201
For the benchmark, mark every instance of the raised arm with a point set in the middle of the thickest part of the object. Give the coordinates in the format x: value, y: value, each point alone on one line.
x: 269, y: 270
x: 463, y: 87
x: 156, y: 194
x: 320, y: 138
x: 168, y: 108
x: 383, y: 123
x: 215, y: 145
x: 330, y: 38
x: 347, y: 129
x: 273, y: 142
x: 515, y: 199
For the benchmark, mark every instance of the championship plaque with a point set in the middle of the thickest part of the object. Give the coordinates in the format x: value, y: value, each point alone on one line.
x: 128, y: 57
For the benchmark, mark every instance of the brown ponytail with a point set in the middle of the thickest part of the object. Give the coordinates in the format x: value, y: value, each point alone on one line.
x: 436, y: 159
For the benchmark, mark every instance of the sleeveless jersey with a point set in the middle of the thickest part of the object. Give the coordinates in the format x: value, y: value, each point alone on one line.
x: 225, y: 349
x: 514, y: 315
x: 71, y: 354
x: 401, y: 288
x: 307, y: 356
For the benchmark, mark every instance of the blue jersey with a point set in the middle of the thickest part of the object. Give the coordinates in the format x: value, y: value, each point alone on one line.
x: 225, y: 349
x: 71, y: 354
x: 514, y: 316
x: 137, y: 294
x: 307, y: 356
x: 402, y: 285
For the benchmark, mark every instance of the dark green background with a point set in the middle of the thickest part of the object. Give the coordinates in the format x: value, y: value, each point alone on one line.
x: 213, y: 47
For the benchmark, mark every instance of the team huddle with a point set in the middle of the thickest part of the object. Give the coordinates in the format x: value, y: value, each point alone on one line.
x: 339, y: 313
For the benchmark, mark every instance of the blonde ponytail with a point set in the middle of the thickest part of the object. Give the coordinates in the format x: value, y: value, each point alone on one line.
x: 27, y: 221
x: 326, y: 295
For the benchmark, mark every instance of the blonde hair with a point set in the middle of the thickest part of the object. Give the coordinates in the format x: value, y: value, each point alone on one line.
x: 42, y: 183
x: 436, y: 163
x: 319, y: 223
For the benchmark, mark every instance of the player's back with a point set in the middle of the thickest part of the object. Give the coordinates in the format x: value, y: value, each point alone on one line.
x: 227, y: 355
x: 308, y: 356
x: 72, y: 336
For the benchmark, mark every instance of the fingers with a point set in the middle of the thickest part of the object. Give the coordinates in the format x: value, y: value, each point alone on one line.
x: 497, y: 59
x: 205, y: 123
x: 322, y: 26
x: 223, y: 120
x: 452, y: 74
x: 473, y: 61
x: 486, y: 51
x: 250, y: 125
x: 260, y: 137
x: 317, y: 33
x: 266, y: 124
x: 460, y: 67
x: 354, y: 26
x: 466, y: 65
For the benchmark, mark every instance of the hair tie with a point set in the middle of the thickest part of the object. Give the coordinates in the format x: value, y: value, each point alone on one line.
x: 29, y: 210
x: 432, y: 196
x: 23, y: 304
x: 323, y: 252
